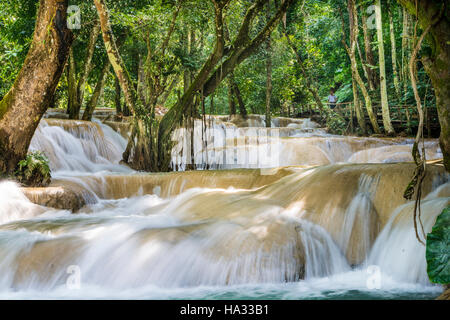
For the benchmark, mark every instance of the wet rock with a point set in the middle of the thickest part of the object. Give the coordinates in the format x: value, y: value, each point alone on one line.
x: 445, y: 295
x: 55, y: 197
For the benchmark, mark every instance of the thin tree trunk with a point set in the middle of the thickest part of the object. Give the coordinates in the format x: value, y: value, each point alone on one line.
x: 364, y: 66
x: 23, y: 106
x: 358, y: 110
x: 268, y: 73
x: 163, y: 98
x: 71, y: 87
x: 394, y: 54
x: 237, y: 94
x: 231, y: 102
x: 381, y: 58
x: 87, y: 65
x: 370, y: 60
x: 138, y: 152
x: 76, y: 89
x: 90, y: 107
x: 117, y: 101
x: 211, y: 106
x: 115, y: 59
x: 404, y: 66
x: 141, y: 86
x: 353, y: 21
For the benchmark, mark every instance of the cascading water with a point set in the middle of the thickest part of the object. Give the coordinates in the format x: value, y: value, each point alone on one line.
x: 288, y: 233
x: 218, y: 143
x: 79, y: 147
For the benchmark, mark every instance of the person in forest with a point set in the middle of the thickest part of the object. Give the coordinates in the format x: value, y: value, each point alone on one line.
x: 332, y: 99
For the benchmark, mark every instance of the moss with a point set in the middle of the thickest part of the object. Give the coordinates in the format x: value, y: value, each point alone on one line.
x: 4, y: 104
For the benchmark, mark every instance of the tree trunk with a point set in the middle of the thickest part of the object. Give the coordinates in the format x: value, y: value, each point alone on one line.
x: 90, y: 107
x: 87, y: 66
x: 237, y: 94
x: 437, y: 65
x: 117, y: 102
x: 115, y: 59
x: 231, y: 102
x: 353, y: 21
x: 76, y: 89
x: 25, y: 103
x: 370, y: 60
x: 210, y: 76
x: 137, y: 153
x: 268, y: 72
x: 394, y: 54
x: 358, y: 110
x: 211, y: 106
x: 71, y: 87
x: 384, y: 97
x: 163, y: 98
x: 405, y: 40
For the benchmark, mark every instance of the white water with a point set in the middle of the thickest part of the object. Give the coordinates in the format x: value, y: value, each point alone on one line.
x: 220, y: 144
x: 204, y: 243
x: 77, y: 150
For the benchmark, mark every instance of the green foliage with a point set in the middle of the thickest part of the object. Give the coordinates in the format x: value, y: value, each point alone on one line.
x: 34, y: 170
x: 16, y: 30
x: 438, y: 249
x: 336, y: 124
x: 314, y: 27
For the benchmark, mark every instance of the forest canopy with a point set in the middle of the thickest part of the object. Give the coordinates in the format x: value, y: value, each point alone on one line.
x: 276, y: 57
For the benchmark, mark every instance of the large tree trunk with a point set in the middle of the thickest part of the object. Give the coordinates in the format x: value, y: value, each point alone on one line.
x: 90, y: 107
x: 437, y: 65
x: 381, y: 59
x: 23, y: 106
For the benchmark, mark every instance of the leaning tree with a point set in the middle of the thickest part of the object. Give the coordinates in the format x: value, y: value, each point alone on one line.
x: 25, y: 103
x: 151, y: 143
x: 434, y: 16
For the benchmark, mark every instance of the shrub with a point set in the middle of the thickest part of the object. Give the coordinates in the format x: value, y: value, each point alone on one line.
x: 438, y: 249
x: 336, y: 124
x: 34, y: 170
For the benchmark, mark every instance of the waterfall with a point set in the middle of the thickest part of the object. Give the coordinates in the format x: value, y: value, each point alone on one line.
x: 311, y: 230
x: 76, y: 147
x: 227, y: 143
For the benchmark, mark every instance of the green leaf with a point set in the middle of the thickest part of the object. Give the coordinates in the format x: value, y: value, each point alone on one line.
x: 438, y: 249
